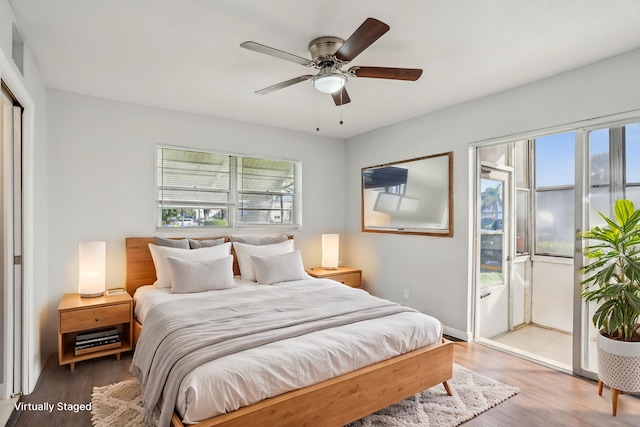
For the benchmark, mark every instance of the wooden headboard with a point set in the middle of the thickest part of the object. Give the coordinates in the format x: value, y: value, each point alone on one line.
x: 140, y: 269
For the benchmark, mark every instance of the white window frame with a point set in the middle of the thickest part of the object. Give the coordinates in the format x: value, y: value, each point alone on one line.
x: 233, y: 204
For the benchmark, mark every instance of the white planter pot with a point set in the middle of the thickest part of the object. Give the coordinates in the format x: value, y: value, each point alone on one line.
x: 619, y: 364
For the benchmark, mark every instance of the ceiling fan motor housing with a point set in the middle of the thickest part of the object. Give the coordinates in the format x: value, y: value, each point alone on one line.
x: 322, y: 50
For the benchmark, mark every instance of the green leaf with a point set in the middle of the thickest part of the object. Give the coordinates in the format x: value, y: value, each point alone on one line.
x: 609, y: 233
x: 615, y: 319
x: 623, y: 209
x: 634, y: 300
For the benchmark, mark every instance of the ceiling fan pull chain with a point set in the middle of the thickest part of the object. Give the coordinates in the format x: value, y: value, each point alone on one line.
x: 317, y: 113
x: 341, y: 105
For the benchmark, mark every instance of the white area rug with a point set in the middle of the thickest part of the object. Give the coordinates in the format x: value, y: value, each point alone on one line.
x: 119, y: 404
x: 473, y: 394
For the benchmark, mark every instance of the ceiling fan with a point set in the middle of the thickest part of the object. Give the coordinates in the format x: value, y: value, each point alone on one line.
x: 330, y: 54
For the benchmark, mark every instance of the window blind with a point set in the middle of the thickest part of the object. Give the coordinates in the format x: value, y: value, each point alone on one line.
x: 196, y: 188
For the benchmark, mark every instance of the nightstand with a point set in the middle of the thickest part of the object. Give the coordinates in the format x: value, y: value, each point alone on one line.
x: 348, y: 276
x: 85, y: 315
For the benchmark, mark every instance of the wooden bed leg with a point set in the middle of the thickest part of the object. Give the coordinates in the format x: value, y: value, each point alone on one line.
x: 600, y: 384
x: 447, y: 387
x: 175, y: 421
x: 614, y: 401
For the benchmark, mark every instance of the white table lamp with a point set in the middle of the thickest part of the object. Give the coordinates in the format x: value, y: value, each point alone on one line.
x: 330, y: 251
x: 92, y: 269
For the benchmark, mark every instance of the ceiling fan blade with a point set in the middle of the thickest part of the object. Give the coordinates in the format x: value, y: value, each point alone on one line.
x: 370, y: 31
x: 282, y: 85
x: 260, y: 48
x: 341, y: 97
x: 411, y: 74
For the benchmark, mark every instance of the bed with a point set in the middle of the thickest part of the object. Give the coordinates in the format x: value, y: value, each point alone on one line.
x: 334, y: 401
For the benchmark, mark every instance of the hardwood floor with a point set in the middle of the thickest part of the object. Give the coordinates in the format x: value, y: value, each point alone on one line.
x: 58, y: 384
x: 547, y: 397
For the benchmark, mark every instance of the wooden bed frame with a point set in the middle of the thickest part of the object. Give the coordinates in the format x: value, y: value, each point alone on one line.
x: 334, y: 402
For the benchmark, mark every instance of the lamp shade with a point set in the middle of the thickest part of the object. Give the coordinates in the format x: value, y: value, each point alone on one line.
x: 330, y: 250
x: 92, y: 269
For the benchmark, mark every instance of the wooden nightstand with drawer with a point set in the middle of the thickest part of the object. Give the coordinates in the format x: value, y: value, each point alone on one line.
x: 77, y: 315
x: 348, y: 276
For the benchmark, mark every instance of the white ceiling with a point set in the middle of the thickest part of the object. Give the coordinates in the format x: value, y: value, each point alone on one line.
x: 184, y: 55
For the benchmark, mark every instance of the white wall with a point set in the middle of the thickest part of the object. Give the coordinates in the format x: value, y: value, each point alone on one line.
x: 102, y: 180
x: 436, y: 270
x: 30, y: 90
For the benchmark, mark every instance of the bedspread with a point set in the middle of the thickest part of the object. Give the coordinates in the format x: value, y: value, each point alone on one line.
x: 178, y: 336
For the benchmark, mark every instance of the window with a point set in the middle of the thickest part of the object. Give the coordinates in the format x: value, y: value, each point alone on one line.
x: 632, y: 156
x: 522, y: 222
x: 599, y: 175
x: 196, y: 188
x: 267, y: 191
x: 614, y: 153
x: 523, y: 195
x: 492, y: 236
x: 554, y: 185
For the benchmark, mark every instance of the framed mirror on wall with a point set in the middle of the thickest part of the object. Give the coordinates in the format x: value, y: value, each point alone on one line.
x: 412, y: 196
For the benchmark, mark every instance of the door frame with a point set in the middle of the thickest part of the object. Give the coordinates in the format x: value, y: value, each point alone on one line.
x: 581, y: 128
x: 11, y: 193
x: 31, y: 345
x: 582, y: 346
x: 581, y: 220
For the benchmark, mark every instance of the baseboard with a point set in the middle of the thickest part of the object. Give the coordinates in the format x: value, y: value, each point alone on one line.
x: 455, y: 333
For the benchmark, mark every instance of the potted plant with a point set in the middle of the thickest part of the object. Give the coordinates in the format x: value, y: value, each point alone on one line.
x: 612, y: 279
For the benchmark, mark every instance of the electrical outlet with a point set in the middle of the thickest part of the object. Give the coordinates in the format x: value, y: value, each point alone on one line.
x: 405, y: 294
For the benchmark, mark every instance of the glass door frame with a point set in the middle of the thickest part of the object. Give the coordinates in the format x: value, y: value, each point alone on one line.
x: 474, y: 198
x: 581, y: 221
x: 582, y: 319
x: 505, y: 176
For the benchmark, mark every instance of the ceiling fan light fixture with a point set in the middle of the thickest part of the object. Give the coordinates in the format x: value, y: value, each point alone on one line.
x: 329, y: 82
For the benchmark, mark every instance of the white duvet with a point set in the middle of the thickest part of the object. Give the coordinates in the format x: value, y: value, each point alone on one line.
x: 231, y: 382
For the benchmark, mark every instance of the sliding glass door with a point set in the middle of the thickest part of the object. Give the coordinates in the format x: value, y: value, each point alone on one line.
x: 531, y: 305
x: 611, y: 170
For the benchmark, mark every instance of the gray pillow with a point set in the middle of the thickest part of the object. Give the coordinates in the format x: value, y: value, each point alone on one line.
x: 197, y: 244
x: 258, y: 240
x: 172, y: 243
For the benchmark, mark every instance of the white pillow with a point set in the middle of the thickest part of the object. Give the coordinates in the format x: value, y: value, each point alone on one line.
x: 200, y: 276
x: 279, y: 268
x: 160, y: 254
x: 244, y: 252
